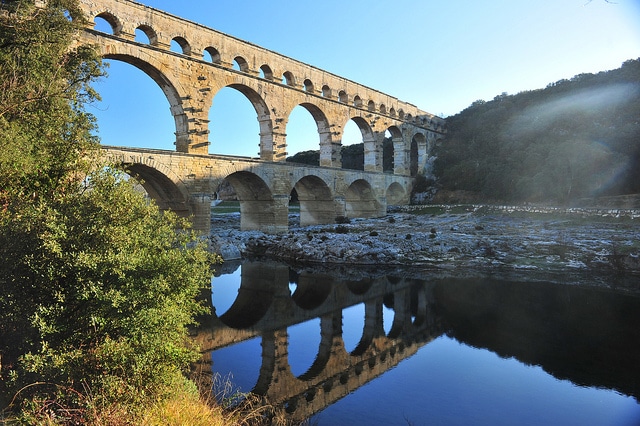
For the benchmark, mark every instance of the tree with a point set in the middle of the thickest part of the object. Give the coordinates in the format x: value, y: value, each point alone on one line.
x: 97, y: 287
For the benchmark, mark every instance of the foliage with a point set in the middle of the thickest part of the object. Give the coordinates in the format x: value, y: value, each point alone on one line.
x: 576, y: 138
x: 97, y: 287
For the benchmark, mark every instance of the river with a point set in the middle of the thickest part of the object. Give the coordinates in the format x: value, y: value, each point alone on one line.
x: 345, y: 346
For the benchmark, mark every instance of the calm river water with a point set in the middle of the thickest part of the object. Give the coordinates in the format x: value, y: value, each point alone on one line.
x: 340, y: 347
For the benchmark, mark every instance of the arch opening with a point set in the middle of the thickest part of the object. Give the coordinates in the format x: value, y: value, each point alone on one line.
x: 258, y: 209
x: 137, y: 99
x: 288, y: 79
x: 307, y: 128
x: 146, y: 35
x: 308, y: 86
x: 212, y: 55
x: 316, y: 201
x: 240, y: 64
x: 266, y: 72
x: 396, y: 194
x: 234, y: 126
x: 160, y: 188
x: 180, y: 45
x: 107, y: 23
x: 360, y: 200
x: 342, y: 97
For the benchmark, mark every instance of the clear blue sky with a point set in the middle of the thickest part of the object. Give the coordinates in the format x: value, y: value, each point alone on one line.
x: 438, y: 55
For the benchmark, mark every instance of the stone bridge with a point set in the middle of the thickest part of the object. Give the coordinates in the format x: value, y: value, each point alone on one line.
x: 209, y: 61
x: 265, y: 307
x: 186, y: 184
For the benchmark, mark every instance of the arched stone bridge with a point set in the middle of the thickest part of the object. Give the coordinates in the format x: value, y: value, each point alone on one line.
x: 274, y: 84
x: 185, y: 184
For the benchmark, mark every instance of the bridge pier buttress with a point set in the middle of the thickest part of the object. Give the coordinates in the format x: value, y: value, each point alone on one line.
x: 201, y: 212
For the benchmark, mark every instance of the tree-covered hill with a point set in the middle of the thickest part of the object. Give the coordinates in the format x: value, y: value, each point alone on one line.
x: 574, y: 139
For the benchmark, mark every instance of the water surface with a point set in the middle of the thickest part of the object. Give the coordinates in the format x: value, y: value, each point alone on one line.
x: 345, y: 348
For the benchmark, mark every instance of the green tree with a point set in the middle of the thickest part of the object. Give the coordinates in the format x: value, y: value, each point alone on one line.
x: 97, y: 288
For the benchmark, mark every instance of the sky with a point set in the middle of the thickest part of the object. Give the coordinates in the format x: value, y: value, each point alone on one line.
x: 438, y: 55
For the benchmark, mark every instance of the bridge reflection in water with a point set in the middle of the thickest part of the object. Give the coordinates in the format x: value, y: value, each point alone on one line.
x: 265, y: 307
x: 588, y: 336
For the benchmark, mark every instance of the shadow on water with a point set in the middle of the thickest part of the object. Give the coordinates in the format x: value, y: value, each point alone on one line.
x: 587, y: 335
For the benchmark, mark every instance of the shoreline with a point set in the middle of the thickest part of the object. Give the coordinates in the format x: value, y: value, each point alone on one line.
x: 453, y: 239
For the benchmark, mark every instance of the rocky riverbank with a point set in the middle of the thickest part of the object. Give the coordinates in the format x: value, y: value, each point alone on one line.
x: 452, y: 237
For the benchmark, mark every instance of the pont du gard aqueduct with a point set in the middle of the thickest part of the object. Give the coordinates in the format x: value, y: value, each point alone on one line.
x: 186, y: 180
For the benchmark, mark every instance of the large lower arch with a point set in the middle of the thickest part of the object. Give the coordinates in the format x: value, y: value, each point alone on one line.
x: 165, y: 192
x: 316, y: 201
x: 170, y: 91
x: 258, y: 207
x: 360, y: 200
x: 396, y: 194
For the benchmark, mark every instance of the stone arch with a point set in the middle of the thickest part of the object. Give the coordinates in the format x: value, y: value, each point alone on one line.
x: 151, y: 34
x: 357, y: 101
x: 288, y: 79
x: 263, y: 117
x: 418, y: 145
x: 241, y: 63
x: 322, y: 123
x: 383, y: 109
x: 170, y: 91
x: 184, y: 45
x: 371, y: 159
x: 396, y: 194
x: 164, y: 190
x: 371, y: 106
x: 316, y: 201
x: 112, y: 20
x: 392, y: 112
x: 266, y: 72
x: 215, y: 55
x: 360, y: 200
x: 343, y: 97
x: 326, y: 92
x: 257, y: 204
x: 308, y: 86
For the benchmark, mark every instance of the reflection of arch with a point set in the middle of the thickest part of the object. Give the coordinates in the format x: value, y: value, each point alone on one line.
x: 395, y: 194
x: 165, y: 84
x: 360, y: 200
x: 316, y: 201
x: 359, y: 287
x: 248, y: 308
x: 167, y: 194
x: 311, y: 291
x: 255, y: 296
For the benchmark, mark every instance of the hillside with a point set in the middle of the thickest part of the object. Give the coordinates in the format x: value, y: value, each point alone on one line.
x: 575, y: 139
